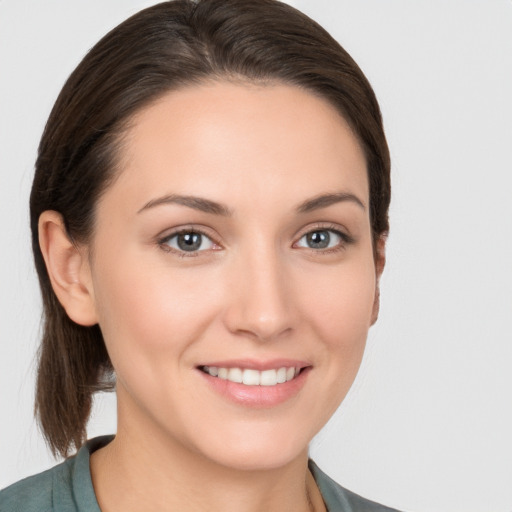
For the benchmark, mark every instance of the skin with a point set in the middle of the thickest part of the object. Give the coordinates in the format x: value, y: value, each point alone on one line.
x: 254, y: 290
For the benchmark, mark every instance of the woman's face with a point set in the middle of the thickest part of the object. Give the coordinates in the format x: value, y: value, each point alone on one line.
x: 235, y: 245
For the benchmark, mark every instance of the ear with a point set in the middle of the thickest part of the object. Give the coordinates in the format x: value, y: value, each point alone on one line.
x: 380, y: 261
x: 68, y: 269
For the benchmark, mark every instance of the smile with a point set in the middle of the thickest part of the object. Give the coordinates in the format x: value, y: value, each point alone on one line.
x: 251, y: 377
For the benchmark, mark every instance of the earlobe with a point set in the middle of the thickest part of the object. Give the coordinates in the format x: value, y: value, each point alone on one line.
x: 68, y: 269
x: 380, y: 261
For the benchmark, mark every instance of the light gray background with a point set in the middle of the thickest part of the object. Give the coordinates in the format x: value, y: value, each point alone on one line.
x: 428, y: 423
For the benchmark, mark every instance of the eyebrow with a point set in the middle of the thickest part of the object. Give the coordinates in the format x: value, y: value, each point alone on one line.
x: 325, y: 200
x: 208, y: 206
x: 197, y: 203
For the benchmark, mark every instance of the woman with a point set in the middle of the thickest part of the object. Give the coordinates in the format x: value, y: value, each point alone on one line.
x: 209, y: 215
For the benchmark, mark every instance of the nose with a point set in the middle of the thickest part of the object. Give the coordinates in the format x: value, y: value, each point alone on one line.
x: 259, y: 304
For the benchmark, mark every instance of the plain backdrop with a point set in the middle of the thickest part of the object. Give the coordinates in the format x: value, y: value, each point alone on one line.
x: 427, y: 426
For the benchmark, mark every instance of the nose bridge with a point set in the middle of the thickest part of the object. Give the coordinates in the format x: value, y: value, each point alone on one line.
x: 260, y: 304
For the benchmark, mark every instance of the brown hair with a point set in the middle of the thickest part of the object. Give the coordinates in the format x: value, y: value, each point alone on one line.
x: 164, y: 47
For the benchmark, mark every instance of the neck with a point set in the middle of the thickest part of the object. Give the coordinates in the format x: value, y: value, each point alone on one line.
x: 137, y: 471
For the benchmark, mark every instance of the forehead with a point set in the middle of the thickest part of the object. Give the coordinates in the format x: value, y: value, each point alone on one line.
x: 225, y: 138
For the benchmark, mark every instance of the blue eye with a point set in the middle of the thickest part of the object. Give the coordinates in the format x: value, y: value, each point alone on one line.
x: 321, y: 239
x: 188, y: 241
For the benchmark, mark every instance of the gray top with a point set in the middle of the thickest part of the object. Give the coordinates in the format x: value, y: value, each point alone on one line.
x: 68, y: 488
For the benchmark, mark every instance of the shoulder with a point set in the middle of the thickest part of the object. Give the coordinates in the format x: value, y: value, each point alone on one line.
x: 66, y: 487
x: 35, y: 493
x: 339, y: 499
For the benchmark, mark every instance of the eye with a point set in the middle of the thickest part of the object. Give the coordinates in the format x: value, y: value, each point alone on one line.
x: 187, y: 241
x: 322, y: 239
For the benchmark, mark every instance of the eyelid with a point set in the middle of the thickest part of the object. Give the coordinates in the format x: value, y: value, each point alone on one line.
x: 167, y: 235
x: 319, y: 226
x: 326, y: 226
x: 162, y: 239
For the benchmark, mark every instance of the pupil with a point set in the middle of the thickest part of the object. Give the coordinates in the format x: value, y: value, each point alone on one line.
x: 318, y: 239
x: 189, y: 241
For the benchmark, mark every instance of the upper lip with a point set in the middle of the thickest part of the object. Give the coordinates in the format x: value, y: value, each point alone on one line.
x: 261, y: 365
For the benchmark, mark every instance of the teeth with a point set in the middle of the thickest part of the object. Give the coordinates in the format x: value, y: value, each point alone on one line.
x: 268, y: 378
x: 251, y: 377
x: 235, y: 375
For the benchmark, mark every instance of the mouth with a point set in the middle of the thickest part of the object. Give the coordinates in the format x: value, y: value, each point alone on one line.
x: 252, y: 377
x: 256, y: 384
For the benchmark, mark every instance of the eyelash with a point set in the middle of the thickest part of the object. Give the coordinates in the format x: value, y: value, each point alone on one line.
x: 163, y: 242
x: 345, y: 240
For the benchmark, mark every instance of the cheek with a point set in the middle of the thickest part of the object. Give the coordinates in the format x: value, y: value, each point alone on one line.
x: 339, y: 309
x: 341, y: 302
x: 150, y: 317
x: 148, y: 308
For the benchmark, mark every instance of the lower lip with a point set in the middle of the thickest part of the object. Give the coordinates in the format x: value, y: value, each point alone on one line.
x: 257, y: 396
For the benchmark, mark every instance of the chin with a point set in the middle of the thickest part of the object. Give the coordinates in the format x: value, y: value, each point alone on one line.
x: 259, y: 451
